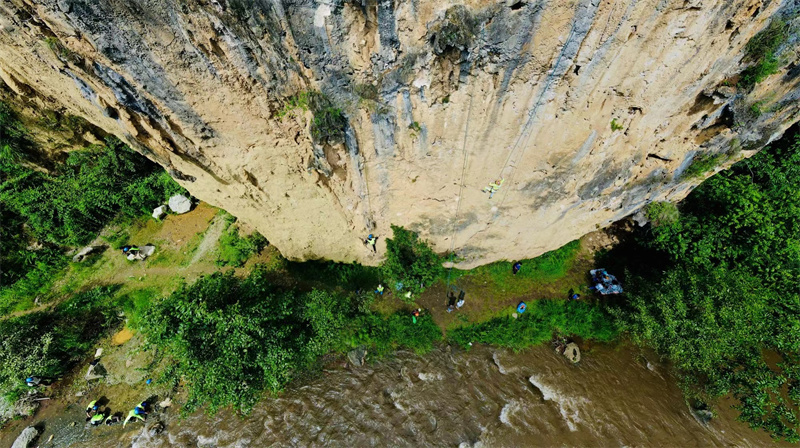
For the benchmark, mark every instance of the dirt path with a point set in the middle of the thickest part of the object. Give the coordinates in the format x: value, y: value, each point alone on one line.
x: 210, y: 238
x: 484, y: 301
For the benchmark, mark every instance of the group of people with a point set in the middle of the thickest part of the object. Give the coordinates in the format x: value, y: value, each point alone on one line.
x: 97, y: 417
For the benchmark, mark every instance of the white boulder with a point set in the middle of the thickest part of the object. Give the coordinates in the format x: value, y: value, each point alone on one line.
x: 160, y: 211
x: 27, y: 436
x: 180, y: 204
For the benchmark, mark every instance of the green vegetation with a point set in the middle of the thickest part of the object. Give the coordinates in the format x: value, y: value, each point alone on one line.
x: 703, y: 163
x: 538, y: 324
x: 43, y: 213
x: 415, y: 127
x: 383, y: 335
x: 328, y: 124
x: 455, y: 32
x: 410, y: 261
x: 232, y: 339
x: 615, y: 126
x: 48, y: 343
x: 661, y: 213
x: 58, y: 48
x: 762, y: 50
x: 300, y: 100
x: 234, y: 250
x: 719, y: 294
x: 547, y: 267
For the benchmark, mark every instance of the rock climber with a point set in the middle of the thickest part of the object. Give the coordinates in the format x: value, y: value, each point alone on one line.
x: 131, y: 415
x: 371, y: 241
x: 91, y: 408
x: 379, y: 289
x: 493, y: 187
x: 517, y: 266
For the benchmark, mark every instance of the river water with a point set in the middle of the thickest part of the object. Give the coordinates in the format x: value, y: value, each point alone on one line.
x: 486, y: 397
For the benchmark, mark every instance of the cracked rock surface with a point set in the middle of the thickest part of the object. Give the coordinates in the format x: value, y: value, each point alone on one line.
x: 588, y: 109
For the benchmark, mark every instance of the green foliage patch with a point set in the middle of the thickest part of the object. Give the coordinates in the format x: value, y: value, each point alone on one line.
x: 410, y: 261
x: 455, y: 32
x: 702, y: 164
x: 545, y: 268
x: 385, y: 334
x: 43, y: 213
x: 235, y: 250
x: 662, y: 213
x: 725, y: 308
x: 232, y: 338
x: 48, y: 343
x: 328, y: 124
x: 538, y: 324
x: 762, y: 49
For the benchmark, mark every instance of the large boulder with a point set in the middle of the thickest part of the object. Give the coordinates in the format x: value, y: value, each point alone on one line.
x: 147, y: 250
x: 160, y: 211
x: 572, y: 352
x: 357, y: 356
x: 180, y: 204
x: 83, y: 254
x: 25, y: 439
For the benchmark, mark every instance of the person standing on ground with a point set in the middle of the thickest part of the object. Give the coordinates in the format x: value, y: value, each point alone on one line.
x: 379, y: 289
x: 517, y: 266
x: 415, y: 315
x: 33, y: 381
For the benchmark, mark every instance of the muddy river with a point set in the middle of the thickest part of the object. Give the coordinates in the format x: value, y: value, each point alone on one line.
x: 485, y: 397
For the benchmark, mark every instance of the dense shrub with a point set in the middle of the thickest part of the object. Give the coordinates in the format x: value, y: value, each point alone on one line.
x: 69, y: 207
x: 727, y: 300
x: 48, y: 343
x: 410, y: 261
x: 662, y: 213
x: 235, y: 250
x: 541, y: 321
x: 328, y: 123
x: 232, y: 339
x: 384, y: 335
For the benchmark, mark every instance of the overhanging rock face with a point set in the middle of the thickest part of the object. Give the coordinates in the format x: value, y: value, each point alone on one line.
x: 588, y: 110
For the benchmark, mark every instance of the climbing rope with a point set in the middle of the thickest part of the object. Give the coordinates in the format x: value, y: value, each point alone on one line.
x: 526, y: 132
x: 460, y: 193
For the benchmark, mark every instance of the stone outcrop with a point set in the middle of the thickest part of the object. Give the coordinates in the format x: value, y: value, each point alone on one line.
x: 587, y: 109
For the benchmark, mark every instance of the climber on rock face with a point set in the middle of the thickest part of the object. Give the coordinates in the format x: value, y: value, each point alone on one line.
x: 370, y: 242
x: 493, y: 187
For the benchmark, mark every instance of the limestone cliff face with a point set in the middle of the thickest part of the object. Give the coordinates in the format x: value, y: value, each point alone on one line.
x: 588, y: 109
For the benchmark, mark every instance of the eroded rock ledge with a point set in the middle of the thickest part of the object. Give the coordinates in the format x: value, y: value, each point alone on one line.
x: 588, y: 109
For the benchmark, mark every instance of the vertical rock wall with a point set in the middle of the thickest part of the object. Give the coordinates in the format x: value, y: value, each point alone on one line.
x: 587, y: 109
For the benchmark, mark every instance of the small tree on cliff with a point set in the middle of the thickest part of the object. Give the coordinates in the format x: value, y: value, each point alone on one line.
x: 410, y: 261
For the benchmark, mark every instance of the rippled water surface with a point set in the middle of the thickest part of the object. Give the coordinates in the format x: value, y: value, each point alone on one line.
x: 484, y: 397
